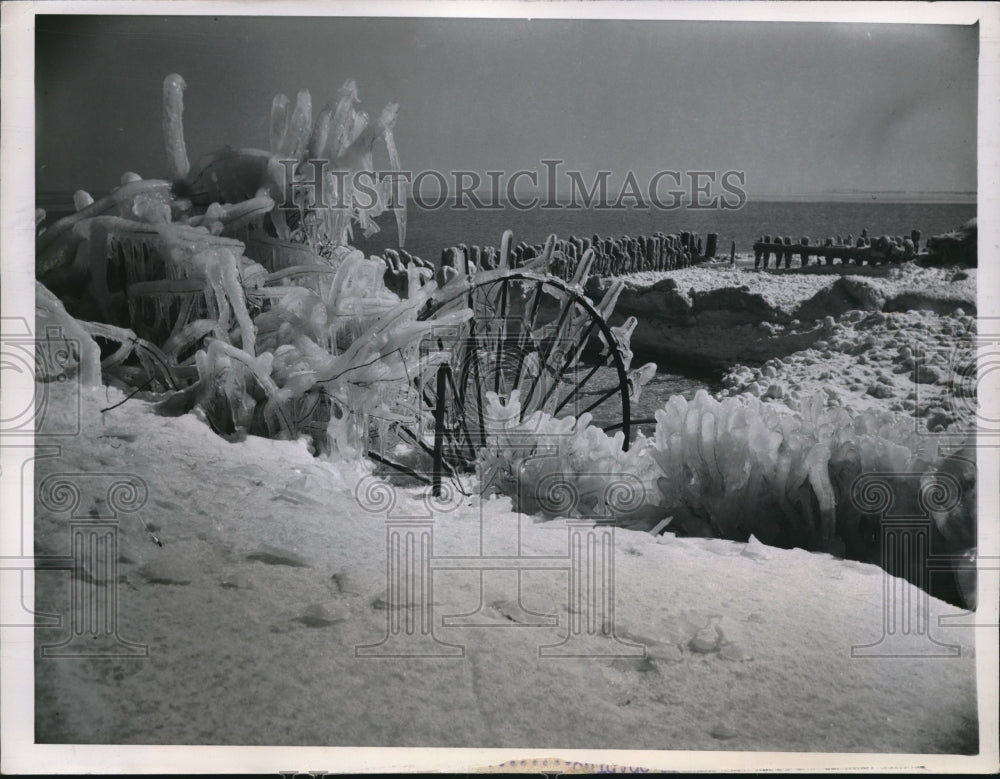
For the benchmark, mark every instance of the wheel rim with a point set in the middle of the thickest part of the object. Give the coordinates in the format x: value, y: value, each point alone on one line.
x: 535, y: 334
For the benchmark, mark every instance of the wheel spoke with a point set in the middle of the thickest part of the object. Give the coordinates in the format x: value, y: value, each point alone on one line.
x: 635, y: 423
x: 576, y: 389
x: 525, y: 335
x: 478, y: 378
x: 566, y: 308
x: 461, y: 415
x: 600, y: 400
x: 503, y: 336
x: 438, y: 454
x: 570, y: 359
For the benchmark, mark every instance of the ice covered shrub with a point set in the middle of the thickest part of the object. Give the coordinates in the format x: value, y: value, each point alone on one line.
x: 730, y: 468
x: 875, y: 442
x: 739, y: 466
x: 953, y: 509
x: 564, y: 467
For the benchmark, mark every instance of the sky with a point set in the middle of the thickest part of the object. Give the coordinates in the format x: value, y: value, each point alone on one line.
x: 798, y: 107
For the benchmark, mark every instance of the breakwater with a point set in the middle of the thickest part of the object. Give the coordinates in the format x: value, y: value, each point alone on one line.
x: 838, y: 249
x: 612, y: 256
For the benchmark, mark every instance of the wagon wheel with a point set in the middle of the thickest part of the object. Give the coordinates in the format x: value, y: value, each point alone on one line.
x: 532, y: 334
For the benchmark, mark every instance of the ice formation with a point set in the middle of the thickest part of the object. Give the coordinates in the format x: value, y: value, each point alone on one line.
x: 731, y: 468
x: 309, y: 336
x: 565, y: 467
x: 344, y: 137
x: 49, y: 311
x: 67, y: 344
x: 173, y: 126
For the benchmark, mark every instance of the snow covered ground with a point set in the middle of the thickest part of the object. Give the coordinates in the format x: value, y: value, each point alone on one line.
x: 787, y: 288
x: 253, y: 572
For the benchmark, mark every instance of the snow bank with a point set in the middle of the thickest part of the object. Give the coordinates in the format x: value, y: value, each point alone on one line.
x: 271, y: 574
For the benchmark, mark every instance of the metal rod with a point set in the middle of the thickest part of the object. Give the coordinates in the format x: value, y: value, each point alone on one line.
x: 571, y: 358
x: 503, y: 335
x: 619, y: 425
x: 461, y: 414
x: 442, y: 380
x: 600, y: 400
x: 479, y: 382
x: 582, y: 381
x: 402, y: 468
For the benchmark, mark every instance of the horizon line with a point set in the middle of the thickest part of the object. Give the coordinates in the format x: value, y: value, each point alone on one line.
x: 945, y: 197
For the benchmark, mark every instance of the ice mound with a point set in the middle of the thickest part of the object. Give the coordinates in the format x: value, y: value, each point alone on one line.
x: 565, y: 467
x: 736, y: 468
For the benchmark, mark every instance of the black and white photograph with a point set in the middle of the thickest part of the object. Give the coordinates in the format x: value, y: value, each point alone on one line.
x: 508, y: 387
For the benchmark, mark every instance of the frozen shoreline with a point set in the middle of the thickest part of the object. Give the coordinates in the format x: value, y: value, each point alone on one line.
x: 858, y: 334
x: 270, y: 574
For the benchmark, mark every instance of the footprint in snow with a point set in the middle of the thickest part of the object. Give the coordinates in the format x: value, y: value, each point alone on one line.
x: 314, y: 616
x: 317, y: 616
x: 272, y: 555
x: 723, y: 732
x: 513, y: 611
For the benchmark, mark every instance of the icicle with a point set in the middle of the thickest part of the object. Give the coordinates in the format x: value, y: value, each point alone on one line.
x: 321, y: 133
x: 582, y: 273
x: 81, y: 200
x: 173, y: 127
x: 639, y: 378
x: 343, y: 120
x: 296, y: 140
x: 279, y: 124
x: 607, y: 305
x: 387, y: 122
x: 49, y: 306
